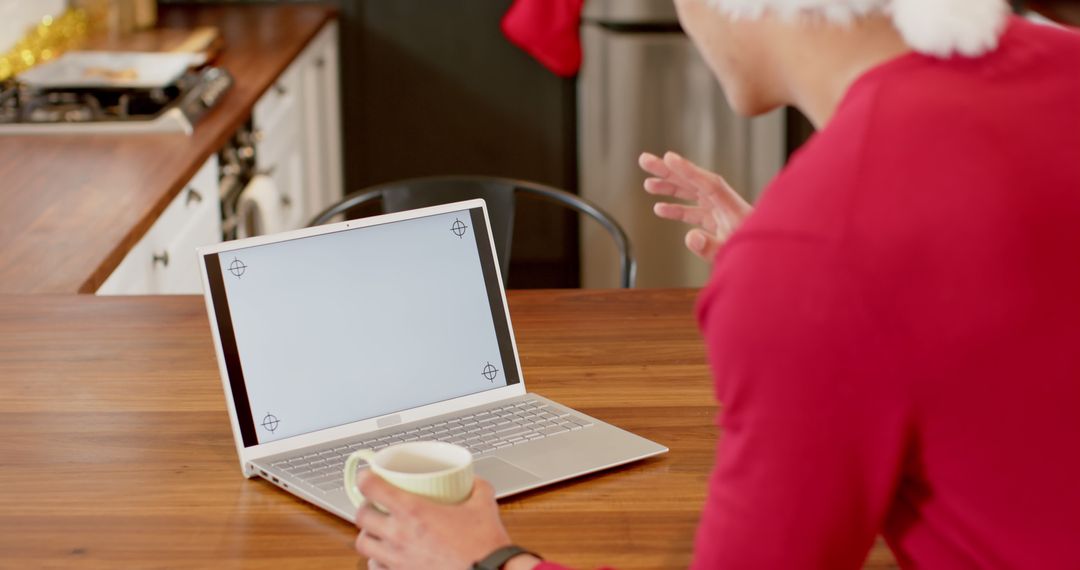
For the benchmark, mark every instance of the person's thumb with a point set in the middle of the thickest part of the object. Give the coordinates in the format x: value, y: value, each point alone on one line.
x: 482, y: 491
x: 701, y: 244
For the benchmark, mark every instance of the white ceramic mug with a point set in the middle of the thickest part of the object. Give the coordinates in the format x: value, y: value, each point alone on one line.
x: 442, y: 472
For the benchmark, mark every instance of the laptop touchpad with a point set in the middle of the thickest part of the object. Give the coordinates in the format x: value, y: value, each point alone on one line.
x: 503, y: 475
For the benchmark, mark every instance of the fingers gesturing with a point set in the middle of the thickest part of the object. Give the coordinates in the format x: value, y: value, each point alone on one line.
x: 715, y: 209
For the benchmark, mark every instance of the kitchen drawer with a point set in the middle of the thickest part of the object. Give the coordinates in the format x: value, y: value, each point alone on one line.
x: 199, y: 192
x: 275, y: 144
x: 283, y: 161
x: 280, y: 155
x: 279, y: 104
x: 134, y: 275
x: 181, y: 274
x: 164, y: 260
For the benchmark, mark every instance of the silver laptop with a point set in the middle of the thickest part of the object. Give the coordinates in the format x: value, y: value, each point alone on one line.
x: 388, y: 329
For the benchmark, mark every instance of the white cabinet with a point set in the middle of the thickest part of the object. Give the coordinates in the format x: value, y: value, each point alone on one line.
x: 298, y: 146
x: 298, y: 126
x: 322, y: 121
x: 280, y: 146
x: 164, y: 261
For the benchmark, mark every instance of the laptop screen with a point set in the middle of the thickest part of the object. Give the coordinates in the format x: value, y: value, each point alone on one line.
x: 326, y: 330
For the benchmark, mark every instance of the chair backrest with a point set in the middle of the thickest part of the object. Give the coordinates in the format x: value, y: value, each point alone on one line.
x: 499, y: 193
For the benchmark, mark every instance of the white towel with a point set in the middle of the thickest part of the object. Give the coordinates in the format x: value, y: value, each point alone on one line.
x: 260, y: 209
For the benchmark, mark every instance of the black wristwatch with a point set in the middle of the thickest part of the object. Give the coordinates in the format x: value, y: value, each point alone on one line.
x: 497, y: 559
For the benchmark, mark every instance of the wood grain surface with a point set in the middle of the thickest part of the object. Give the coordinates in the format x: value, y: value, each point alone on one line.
x: 71, y: 206
x: 115, y: 448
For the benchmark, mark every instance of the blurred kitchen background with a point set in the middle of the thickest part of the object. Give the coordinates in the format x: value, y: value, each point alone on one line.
x: 431, y: 87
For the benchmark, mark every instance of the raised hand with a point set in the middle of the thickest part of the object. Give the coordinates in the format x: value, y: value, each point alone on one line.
x: 714, y: 209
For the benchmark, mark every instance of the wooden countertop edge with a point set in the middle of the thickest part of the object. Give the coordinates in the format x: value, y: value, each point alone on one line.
x: 94, y: 281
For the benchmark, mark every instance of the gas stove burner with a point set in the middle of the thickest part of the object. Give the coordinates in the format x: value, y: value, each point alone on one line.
x: 9, y: 101
x: 63, y: 108
x: 83, y: 105
x: 175, y: 108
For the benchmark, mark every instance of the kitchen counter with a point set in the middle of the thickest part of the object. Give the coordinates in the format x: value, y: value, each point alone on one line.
x: 71, y: 206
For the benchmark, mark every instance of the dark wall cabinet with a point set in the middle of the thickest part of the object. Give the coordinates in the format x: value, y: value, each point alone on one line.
x: 440, y: 90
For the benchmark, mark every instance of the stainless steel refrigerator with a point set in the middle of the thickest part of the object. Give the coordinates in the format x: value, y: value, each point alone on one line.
x: 643, y: 87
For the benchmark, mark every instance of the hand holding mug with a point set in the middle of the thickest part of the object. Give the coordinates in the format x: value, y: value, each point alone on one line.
x: 441, y: 472
x: 439, y: 526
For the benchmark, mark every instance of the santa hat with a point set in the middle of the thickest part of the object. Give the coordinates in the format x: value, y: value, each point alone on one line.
x: 933, y: 27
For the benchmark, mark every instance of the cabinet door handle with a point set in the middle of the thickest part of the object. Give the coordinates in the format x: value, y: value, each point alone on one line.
x: 320, y: 62
x: 280, y: 89
x: 193, y: 196
x: 286, y: 201
x: 162, y: 258
x: 268, y: 171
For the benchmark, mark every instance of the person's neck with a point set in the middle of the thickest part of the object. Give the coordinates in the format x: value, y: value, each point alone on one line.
x: 821, y: 61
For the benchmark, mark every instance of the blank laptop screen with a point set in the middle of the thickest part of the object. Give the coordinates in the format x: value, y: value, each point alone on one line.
x: 330, y: 329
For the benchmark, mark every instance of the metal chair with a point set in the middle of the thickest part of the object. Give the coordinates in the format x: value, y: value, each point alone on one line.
x: 499, y: 193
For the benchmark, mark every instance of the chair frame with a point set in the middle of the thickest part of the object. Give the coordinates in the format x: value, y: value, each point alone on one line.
x: 628, y: 265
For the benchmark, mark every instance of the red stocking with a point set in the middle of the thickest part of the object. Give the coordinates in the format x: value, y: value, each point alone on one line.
x: 548, y: 31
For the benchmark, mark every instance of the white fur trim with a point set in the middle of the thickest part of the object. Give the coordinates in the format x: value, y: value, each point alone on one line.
x: 944, y: 27
x: 837, y: 11
x: 934, y: 27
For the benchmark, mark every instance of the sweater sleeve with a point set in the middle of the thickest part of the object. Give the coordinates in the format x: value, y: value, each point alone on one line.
x: 812, y: 422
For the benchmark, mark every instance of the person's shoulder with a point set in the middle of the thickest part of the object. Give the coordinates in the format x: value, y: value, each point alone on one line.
x: 957, y: 134
x: 809, y: 196
x: 1063, y: 40
x: 916, y: 95
x: 936, y: 127
x: 815, y: 187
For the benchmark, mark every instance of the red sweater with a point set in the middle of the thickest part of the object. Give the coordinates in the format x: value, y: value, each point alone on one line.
x: 895, y: 331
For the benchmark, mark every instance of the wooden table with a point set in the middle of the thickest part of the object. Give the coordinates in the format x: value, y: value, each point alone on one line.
x: 71, y: 206
x: 115, y: 450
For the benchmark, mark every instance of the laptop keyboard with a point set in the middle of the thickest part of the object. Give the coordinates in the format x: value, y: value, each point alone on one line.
x: 480, y: 432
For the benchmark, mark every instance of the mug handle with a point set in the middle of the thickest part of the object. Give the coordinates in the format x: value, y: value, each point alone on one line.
x: 350, y: 475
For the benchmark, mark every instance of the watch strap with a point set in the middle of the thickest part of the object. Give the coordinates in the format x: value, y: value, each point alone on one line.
x: 497, y: 559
